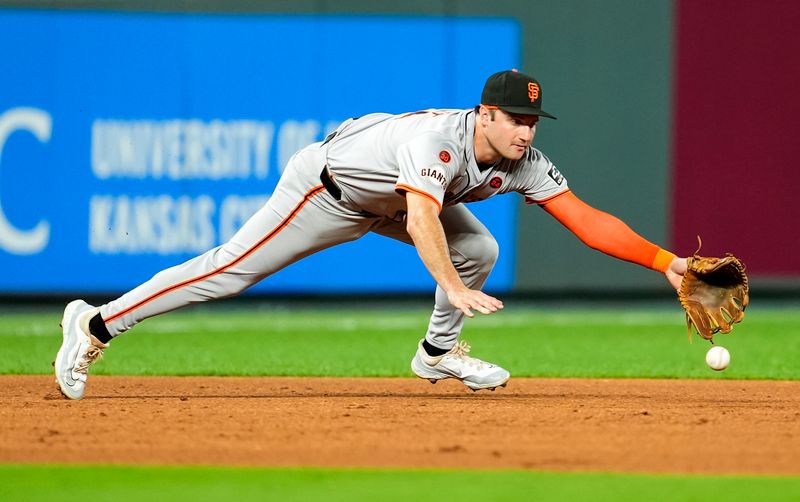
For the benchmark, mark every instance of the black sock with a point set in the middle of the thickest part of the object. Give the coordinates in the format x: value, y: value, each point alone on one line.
x: 433, y: 351
x: 97, y: 327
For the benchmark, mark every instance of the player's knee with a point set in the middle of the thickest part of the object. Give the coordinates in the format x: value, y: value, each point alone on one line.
x: 489, y: 251
x: 481, y: 250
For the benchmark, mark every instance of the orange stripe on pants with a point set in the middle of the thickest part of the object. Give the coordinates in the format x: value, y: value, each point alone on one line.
x: 308, y: 196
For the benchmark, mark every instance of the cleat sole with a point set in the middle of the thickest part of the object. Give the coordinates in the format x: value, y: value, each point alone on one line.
x: 491, y: 388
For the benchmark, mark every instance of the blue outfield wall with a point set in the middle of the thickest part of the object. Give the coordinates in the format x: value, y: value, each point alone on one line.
x: 131, y: 142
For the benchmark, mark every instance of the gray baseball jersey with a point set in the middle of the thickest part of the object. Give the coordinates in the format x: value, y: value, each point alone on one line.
x: 376, y: 157
x: 374, y: 160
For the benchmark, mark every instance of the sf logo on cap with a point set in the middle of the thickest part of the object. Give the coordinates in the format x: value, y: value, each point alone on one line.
x: 533, y: 91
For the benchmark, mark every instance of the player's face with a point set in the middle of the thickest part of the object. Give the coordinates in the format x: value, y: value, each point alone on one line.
x: 510, y: 135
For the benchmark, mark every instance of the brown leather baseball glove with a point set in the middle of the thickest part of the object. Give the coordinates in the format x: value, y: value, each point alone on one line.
x: 714, y: 294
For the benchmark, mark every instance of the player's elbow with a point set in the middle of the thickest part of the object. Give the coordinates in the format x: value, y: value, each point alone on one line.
x: 420, y: 219
x: 414, y: 226
x: 591, y: 241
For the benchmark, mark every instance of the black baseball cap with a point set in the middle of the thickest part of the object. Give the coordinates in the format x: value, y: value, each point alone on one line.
x: 514, y: 92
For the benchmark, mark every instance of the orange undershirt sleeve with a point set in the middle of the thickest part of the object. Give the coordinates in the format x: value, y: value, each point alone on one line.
x: 606, y: 233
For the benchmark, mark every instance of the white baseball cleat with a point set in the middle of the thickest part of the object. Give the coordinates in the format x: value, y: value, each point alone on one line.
x: 78, y: 350
x: 474, y: 373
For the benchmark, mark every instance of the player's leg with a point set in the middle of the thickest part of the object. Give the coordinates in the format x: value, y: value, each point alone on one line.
x: 300, y: 218
x: 474, y: 252
x: 268, y: 242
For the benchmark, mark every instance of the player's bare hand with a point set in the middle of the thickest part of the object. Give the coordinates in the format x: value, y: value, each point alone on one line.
x: 675, y: 272
x: 466, y: 300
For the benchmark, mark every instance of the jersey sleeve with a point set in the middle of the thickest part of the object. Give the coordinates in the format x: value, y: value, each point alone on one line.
x: 544, y: 182
x: 427, y: 165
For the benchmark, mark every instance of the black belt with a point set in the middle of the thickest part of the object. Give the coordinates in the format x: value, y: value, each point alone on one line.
x: 330, y: 186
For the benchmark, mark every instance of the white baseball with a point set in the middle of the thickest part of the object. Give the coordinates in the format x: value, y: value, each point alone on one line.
x: 718, y: 358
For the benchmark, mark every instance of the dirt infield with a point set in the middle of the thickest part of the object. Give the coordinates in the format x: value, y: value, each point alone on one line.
x: 555, y: 424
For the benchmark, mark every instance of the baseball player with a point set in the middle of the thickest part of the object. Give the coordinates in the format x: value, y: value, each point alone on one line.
x: 407, y: 177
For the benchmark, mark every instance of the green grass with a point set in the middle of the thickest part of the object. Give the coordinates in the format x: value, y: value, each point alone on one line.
x: 198, y: 484
x: 559, y: 342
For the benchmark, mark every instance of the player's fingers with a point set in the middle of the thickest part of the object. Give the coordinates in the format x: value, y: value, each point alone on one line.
x: 488, y: 300
x: 484, y: 307
x: 483, y: 310
x: 467, y: 311
x: 491, y: 303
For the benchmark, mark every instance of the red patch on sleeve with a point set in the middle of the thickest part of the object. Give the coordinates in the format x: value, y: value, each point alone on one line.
x: 444, y: 156
x: 496, y: 182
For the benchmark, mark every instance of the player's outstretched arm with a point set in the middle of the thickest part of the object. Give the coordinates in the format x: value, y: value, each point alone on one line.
x: 425, y: 229
x: 610, y: 235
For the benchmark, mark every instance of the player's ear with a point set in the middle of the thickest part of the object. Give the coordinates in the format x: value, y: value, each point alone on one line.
x: 483, y: 114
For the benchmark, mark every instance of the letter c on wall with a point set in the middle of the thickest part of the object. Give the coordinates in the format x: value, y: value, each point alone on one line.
x: 39, y: 123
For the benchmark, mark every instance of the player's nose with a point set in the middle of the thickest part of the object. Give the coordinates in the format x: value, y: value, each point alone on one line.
x: 526, y: 134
